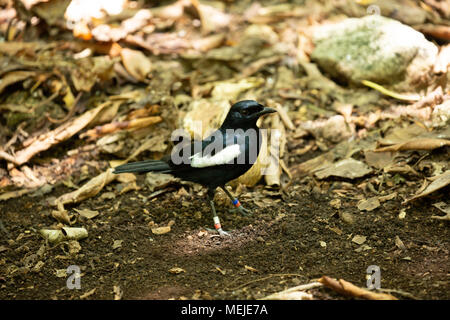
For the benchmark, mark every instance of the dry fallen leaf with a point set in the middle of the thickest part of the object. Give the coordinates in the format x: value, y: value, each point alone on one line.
x: 118, y: 293
x: 88, y: 294
x: 334, y: 128
x: 211, y: 18
x: 358, y: 239
x: 13, y: 77
x: 88, y: 214
x: 58, y: 135
x: 117, y: 244
x: 416, y: 144
x: 14, y: 194
x: 250, y: 268
x: 369, y: 204
x: 176, y: 270
x: 399, y: 243
x: 156, y: 181
x: 347, y: 168
x: 61, y: 273
x: 61, y: 216
x: 335, y: 203
x: 136, y: 63
x: 161, y: 230
x: 378, y: 160
x: 444, y: 208
x: 89, y: 189
x: 295, y: 293
x: 440, y: 182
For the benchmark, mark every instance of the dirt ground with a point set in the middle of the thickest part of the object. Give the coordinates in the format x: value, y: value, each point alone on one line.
x: 79, y: 100
x: 293, y: 240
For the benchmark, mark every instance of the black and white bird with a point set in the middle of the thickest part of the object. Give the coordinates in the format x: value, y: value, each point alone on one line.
x: 226, y: 154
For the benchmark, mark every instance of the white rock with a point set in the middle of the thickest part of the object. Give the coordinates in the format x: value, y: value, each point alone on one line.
x: 374, y: 48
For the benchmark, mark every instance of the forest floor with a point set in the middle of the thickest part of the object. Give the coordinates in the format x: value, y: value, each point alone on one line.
x: 282, y: 245
x: 363, y: 177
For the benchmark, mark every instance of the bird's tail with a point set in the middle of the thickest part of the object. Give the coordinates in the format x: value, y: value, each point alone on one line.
x: 143, y: 166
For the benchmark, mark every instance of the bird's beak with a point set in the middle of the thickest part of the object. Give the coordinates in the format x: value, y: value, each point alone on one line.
x: 266, y: 110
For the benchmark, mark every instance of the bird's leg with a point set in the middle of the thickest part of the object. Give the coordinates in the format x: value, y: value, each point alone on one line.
x: 236, y: 203
x: 216, y: 219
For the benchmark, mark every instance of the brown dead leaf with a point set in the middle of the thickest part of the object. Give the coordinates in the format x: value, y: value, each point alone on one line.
x: 443, y: 207
x: 136, y: 63
x: 416, y: 144
x: 347, y: 168
x: 205, y: 116
x: 176, y: 270
x: 295, y: 293
x: 118, y: 293
x: 400, y: 135
x: 250, y: 268
x: 212, y: 19
x: 269, y: 164
x: 89, y: 189
x: 14, y: 77
x: 282, y: 113
x: 117, y: 244
x: 61, y: 216
x: 388, y: 197
x: 369, y: 204
x: 399, y: 243
x: 161, y: 230
x: 208, y: 43
x: 62, y: 133
x: 117, y: 126
x: 14, y: 48
x: 313, y: 164
x: 358, y: 239
x: 87, y: 213
x: 264, y: 15
x: 334, y: 129
x: 437, y: 31
x: 443, y: 60
x: 156, y: 181
x: 14, y: 194
x: 440, y: 182
x: 88, y: 293
x: 378, y: 160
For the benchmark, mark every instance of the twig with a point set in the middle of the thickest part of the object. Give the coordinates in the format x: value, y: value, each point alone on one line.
x: 296, y: 293
x: 8, y: 157
x: 69, y: 114
x: 349, y: 289
x: 40, y: 104
x: 268, y: 277
x: 400, y: 292
x: 390, y: 93
x: 15, y: 136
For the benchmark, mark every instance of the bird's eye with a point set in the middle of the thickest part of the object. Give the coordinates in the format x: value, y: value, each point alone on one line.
x: 245, y: 112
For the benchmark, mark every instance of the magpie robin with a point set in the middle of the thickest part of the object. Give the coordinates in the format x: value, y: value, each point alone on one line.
x: 226, y: 154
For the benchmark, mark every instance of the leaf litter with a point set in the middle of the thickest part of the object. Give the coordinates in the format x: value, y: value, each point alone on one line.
x: 71, y: 109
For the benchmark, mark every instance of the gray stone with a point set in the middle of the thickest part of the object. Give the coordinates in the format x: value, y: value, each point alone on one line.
x: 374, y: 48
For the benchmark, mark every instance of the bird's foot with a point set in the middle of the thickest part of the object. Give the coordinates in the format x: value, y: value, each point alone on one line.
x: 241, y: 210
x: 221, y: 232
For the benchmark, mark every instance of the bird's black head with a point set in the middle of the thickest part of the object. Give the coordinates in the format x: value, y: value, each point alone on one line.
x: 244, y: 114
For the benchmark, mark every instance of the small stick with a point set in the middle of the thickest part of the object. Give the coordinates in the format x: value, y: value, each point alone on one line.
x: 268, y: 277
x: 349, y: 289
x: 390, y: 93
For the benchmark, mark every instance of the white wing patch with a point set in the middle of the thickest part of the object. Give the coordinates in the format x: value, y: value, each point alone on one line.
x: 222, y: 157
